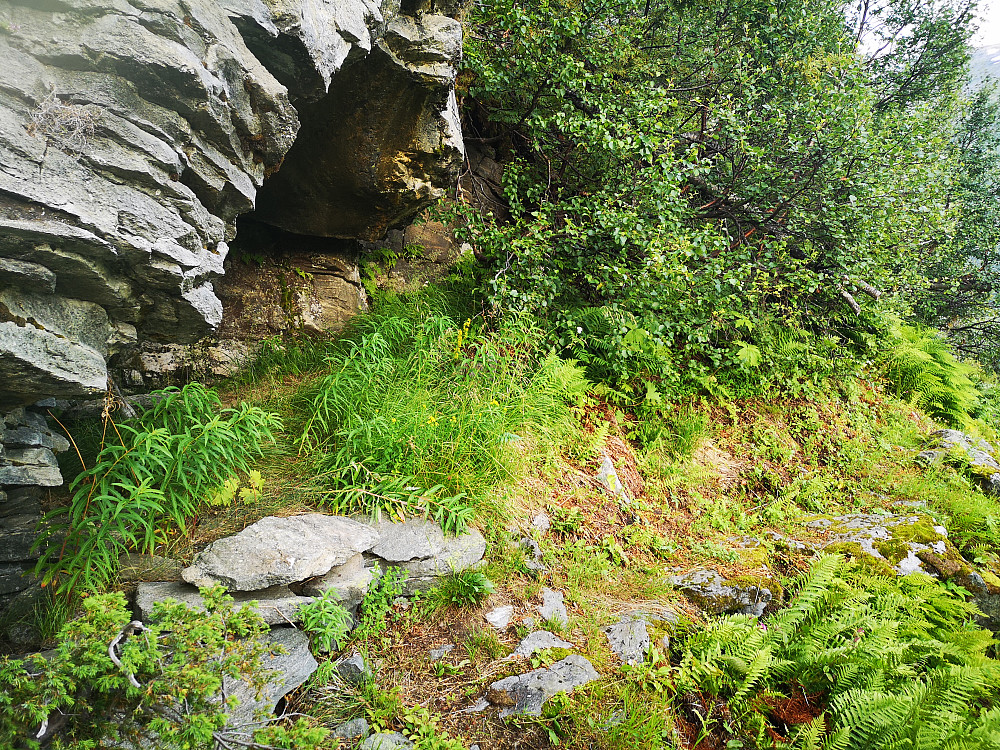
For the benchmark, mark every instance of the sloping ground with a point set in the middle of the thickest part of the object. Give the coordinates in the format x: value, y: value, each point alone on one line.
x: 677, y: 569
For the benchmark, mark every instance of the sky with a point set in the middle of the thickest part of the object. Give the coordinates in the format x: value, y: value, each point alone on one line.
x: 989, y: 26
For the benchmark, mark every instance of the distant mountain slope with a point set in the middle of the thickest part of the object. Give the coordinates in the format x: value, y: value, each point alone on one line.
x: 984, y: 63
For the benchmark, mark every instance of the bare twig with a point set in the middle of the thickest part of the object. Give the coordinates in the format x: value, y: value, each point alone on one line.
x: 133, y: 627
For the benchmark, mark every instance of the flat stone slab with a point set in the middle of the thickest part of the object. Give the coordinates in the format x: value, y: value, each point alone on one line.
x: 538, y: 641
x: 421, y: 548
x: 277, y: 605
x: 278, y: 551
x: 36, y: 466
x: 290, y: 670
x: 629, y: 640
x: 527, y: 693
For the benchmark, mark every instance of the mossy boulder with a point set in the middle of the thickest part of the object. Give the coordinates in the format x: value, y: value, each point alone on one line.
x: 891, y: 543
x: 973, y: 456
x: 713, y: 594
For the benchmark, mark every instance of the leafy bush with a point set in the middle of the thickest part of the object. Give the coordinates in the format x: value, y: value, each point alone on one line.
x: 895, y: 663
x: 158, y: 471
x: 745, y: 162
x: 326, y: 620
x: 378, y: 602
x: 163, y: 689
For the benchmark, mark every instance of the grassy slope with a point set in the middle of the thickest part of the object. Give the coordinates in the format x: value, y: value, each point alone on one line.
x: 721, y: 473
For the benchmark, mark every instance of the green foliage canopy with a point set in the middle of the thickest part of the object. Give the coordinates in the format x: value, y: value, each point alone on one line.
x: 683, y: 169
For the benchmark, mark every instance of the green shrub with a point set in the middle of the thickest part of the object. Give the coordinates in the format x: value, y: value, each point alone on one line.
x: 157, y: 471
x: 164, y: 689
x: 326, y: 620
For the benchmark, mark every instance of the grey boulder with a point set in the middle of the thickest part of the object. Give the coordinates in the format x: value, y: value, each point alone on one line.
x: 715, y: 595
x: 629, y: 640
x: 278, y: 551
x: 538, y: 641
x: 421, y: 548
x: 527, y: 693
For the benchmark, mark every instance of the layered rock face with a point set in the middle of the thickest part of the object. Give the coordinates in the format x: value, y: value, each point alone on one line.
x: 133, y: 133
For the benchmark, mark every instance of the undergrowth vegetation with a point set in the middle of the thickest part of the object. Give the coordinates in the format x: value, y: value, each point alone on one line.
x: 420, y: 412
x: 879, y: 663
x: 152, y: 474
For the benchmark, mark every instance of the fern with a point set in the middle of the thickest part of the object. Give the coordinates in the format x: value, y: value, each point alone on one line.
x: 897, y: 661
x: 921, y: 368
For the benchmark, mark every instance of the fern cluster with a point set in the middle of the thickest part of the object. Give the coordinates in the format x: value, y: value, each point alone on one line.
x: 920, y: 367
x: 897, y: 665
x: 156, y: 470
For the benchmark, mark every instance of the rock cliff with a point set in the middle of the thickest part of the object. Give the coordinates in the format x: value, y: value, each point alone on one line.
x: 133, y: 133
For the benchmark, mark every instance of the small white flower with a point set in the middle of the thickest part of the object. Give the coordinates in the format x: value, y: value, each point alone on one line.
x: 579, y: 329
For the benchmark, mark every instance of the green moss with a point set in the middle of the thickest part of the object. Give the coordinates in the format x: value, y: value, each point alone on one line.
x: 864, y: 561
x: 990, y: 578
x: 892, y: 549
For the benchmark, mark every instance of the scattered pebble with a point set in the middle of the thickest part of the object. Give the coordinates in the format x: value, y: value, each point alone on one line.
x: 437, y: 654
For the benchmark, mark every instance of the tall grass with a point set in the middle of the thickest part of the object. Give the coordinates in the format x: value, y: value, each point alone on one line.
x: 419, y: 408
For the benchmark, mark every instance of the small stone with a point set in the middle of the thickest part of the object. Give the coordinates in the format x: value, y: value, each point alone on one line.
x: 537, y: 641
x: 437, y: 654
x: 501, y: 616
x: 608, y: 477
x: 352, y: 729
x: 531, y: 548
x: 629, y: 640
x: 541, y: 522
x: 386, y: 741
x: 552, y: 608
x: 353, y: 669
